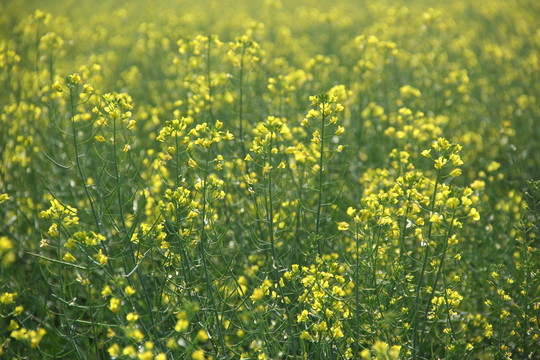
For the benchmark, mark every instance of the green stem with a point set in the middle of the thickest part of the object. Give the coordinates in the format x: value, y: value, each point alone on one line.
x: 432, y: 294
x: 321, y: 164
x: 424, y: 265
x: 203, y: 256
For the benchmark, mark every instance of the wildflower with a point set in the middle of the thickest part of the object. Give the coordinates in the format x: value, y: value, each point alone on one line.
x: 316, y: 137
x: 452, y: 203
x: 12, y: 325
x: 181, y: 325
x: 87, y: 89
x: 473, y: 214
x: 7, y: 298
x: 336, y: 332
x: 131, y: 317
x: 129, y: 351
x: 75, y: 78
x: 435, y: 218
x: 257, y: 295
x: 302, y: 317
x: 129, y: 290
x: 56, y: 86
x: 70, y: 258
x: 101, y: 258
x: 427, y: 153
x: 440, y: 162
x: 18, y: 310
x: 198, y: 355
x: 201, y: 336
x: 343, y: 226
x: 394, y: 352
x: 114, y: 304
x: 36, y: 336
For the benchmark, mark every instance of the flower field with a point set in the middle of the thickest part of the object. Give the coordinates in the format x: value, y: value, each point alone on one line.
x: 270, y: 179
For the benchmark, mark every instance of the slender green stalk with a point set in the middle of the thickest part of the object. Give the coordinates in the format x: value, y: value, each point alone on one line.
x: 422, y: 271
x: 241, y: 106
x: 204, y: 261
x: 321, y: 165
x: 77, y: 161
x: 276, y: 262
x: 439, y: 271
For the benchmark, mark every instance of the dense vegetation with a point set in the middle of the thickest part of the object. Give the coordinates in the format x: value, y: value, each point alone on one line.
x: 266, y: 180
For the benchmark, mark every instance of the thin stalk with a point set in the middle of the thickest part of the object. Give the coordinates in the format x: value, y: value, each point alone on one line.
x: 64, y: 310
x: 357, y: 286
x: 424, y: 265
x: 439, y: 271
x: 78, y: 163
x: 203, y: 256
x: 209, y: 81
x: 124, y: 227
x: 321, y: 164
x: 241, y: 106
x: 275, y: 258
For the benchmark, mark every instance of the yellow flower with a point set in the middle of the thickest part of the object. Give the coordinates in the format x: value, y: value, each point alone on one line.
x: 427, y: 153
x: 440, y: 162
x: 101, y: 258
x: 130, y: 291
x: 70, y: 258
x: 316, y: 137
x: 129, y: 351
x: 7, y: 298
x: 18, y: 310
x: 336, y: 332
x: 56, y: 86
x: 302, y: 317
x: 266, y: 169
x: 114, y: 305
x: 340, y: 130
x: 87, y: 89
x: 258, y: 294
x: 36, y: 336
x: 12, y: 325
x: 181, y: 325
x: 343, y: 226
x: 435, y: 218
x: 198, y: 355
x: 473, y: 213
x: 201, y: 336
x: 75, y: 78
x: 452, y: 203
x: 394, y: 352
x: 107, y: 291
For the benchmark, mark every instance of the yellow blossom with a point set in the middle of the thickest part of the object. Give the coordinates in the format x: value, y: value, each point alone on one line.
x: 342, y: 226
x: 129, y: 290
x: 70, y: 258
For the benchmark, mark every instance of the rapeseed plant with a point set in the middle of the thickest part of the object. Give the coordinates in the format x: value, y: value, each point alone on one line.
x: 171, y: 187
